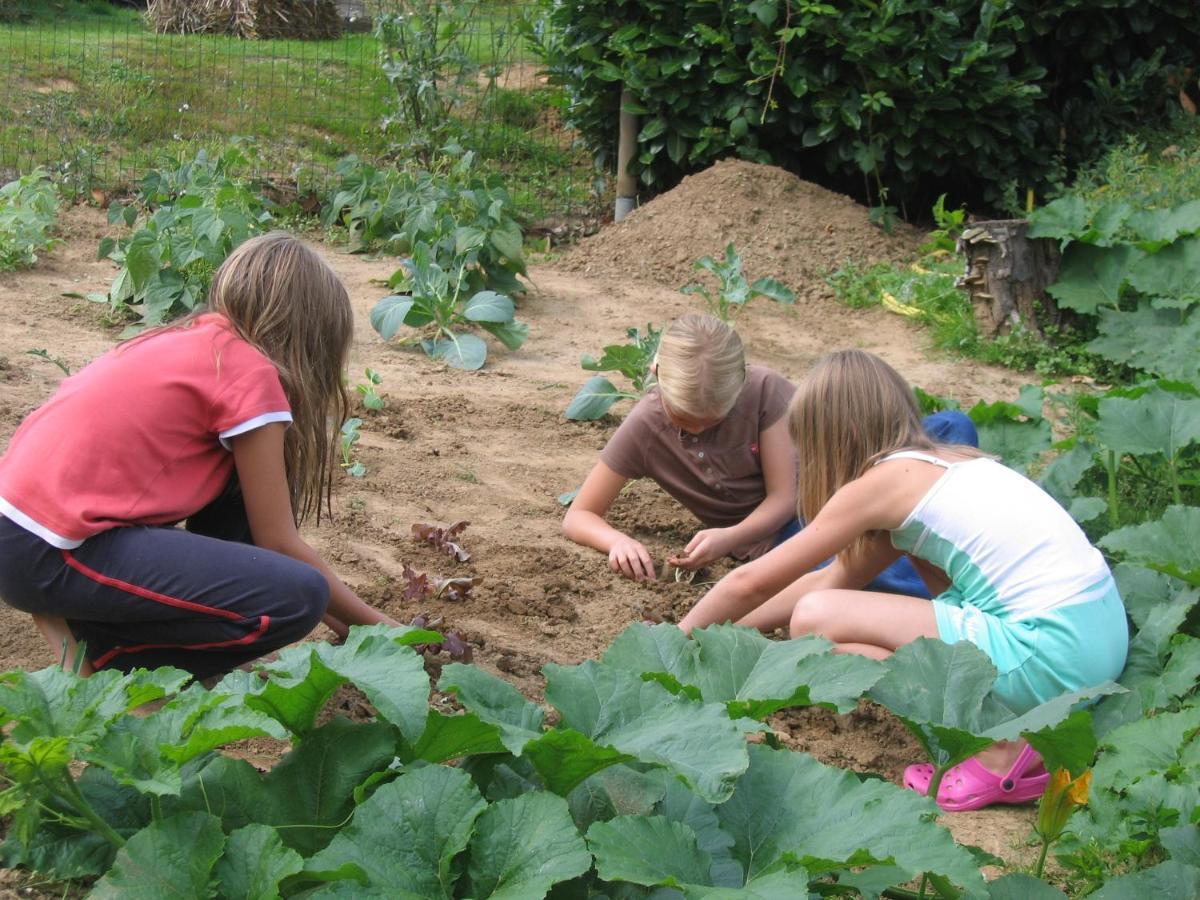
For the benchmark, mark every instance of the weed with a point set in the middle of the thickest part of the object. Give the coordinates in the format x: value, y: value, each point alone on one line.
x: 57, y: 360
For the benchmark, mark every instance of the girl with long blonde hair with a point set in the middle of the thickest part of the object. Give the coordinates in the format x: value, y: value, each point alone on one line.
x: 226, y: 421
x: 1008, y: 568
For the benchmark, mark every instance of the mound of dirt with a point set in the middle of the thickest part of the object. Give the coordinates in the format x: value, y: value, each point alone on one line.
x: 782, y: 227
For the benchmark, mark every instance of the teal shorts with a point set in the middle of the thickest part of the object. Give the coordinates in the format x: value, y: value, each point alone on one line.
x: 1065, y: 649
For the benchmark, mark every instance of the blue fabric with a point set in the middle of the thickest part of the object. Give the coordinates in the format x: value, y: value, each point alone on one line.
x: 946, y: 427
x: 951, y: 427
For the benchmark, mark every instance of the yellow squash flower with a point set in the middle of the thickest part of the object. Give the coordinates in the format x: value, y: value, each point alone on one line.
x: 1062, y: 795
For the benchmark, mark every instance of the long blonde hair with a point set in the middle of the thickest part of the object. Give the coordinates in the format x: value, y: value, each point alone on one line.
x: 850, y: 411
x: 280, y: 296
x: 701, y: 367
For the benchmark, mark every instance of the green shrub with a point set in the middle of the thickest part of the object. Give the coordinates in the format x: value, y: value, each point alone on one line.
x: 28, y: 210
x: 979, y: 98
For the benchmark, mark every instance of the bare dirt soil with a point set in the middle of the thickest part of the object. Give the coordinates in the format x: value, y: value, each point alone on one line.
x: 492, y: 447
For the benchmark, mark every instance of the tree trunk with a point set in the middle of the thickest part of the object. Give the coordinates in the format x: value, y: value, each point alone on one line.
x: 1007, y: 276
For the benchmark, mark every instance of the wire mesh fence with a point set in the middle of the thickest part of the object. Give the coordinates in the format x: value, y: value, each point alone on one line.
x: 89, y: 90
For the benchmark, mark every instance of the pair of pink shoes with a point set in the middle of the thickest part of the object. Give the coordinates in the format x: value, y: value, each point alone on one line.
x: 970, y: 786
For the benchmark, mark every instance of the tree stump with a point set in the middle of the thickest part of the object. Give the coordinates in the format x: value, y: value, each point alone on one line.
x: 1007, y: 276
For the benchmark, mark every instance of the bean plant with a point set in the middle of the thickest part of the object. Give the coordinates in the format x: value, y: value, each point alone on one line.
x: 28, y: 213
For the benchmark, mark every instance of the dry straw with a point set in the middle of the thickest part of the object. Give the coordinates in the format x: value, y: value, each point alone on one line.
x: 250, y: 19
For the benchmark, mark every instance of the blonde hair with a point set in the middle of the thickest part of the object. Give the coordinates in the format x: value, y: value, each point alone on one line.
x: 280, y: 296
x: 850, y: 411
x: 701, y: 367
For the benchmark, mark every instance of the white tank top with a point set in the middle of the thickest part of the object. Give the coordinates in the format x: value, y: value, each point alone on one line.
x: 1007, y: 546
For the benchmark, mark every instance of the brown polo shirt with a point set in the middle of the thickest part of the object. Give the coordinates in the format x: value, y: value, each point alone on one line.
x: 716, y: 474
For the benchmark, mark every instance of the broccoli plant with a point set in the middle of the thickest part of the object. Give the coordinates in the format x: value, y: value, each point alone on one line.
x: 734, y: 291
x: 632, y: 359
x: 438, y: 307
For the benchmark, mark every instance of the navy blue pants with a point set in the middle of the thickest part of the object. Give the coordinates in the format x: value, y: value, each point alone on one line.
x: 946, y: 427
x: 204, y: 598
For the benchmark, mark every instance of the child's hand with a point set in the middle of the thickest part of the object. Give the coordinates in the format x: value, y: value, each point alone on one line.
x: 705, y: 547
x: 631, y: 559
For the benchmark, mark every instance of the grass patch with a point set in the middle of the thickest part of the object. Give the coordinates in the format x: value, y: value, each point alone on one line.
x: 97, y: 98
x: 924, y: 291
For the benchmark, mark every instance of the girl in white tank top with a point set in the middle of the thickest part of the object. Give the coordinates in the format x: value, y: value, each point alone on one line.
x: 1008, y: 568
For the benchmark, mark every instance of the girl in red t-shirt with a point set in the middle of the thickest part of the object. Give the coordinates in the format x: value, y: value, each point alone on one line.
x: 221, y: 421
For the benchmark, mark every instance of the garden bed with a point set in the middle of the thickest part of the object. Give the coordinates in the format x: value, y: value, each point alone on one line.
x: 492, y: 447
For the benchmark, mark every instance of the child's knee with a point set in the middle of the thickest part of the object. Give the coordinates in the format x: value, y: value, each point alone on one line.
x: 811, y: 614
x: 302, y: 602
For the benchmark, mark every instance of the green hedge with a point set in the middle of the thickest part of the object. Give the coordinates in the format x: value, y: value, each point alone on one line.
x: 981, y: 99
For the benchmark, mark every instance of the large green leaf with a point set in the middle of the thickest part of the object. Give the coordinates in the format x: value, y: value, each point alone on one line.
x: 254, y: 862
x: 496, y: 702
x: 489, y: 306
x: 1170, y: 545
x: 938, y: 690
x: 618, y: 790
x: 565, y: 758
x: 1061, y: 477
x: 406, y: 836
x: 789, y: 807
x: 170, y: 858
x: 1173, y: 272
x: 1144, y: 589
x: 1016, y: 443
x: 147, y: 752
x: 594, y: 399
x: 451, y: 737
x: 1067, y: 217
x: 1021, y: 886
x: 1156, y: 228
x: 310, y: 791
x: 942, y: 693
x: 1158, y: 421
x: 524, y: 846
x: 1141, y: 748
x: 511, y: 334
x: 648, y: 850
x: 1092, y: 276
x: 374, y: 658
x: 1167, y: 879
x: 458, y: 349
x: 390, y: 313
x: 658, y: 852
x: 52, y: 702
x: 696, y: 741
x: 739, y: 667
x: 1160, y: 341
x: 681, y: 805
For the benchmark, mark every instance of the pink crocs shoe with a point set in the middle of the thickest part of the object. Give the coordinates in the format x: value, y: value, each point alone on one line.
x: 970, y: 786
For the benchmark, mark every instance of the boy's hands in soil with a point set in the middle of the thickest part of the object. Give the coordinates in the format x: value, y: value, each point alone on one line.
x: 705, y: 547
x: 631, y: 559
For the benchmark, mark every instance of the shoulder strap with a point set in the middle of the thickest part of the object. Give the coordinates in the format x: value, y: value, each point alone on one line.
x: 916, y: 454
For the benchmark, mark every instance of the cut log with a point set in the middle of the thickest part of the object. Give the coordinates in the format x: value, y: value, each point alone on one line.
x: 1007, y: 276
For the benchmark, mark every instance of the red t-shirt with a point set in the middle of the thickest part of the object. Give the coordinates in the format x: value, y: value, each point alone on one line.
x: 141, y: 435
